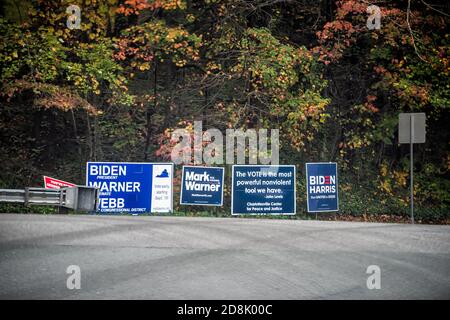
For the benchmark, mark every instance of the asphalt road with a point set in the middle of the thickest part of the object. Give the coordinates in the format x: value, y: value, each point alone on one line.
x: 127, y: 257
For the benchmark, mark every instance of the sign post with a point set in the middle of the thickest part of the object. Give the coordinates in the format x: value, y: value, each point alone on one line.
x: 411, y: 129
x: 411, y: 165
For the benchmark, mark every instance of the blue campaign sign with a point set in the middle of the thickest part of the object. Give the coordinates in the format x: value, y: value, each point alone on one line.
x: 263, y: 189
x: 202, y: 186
x: 322, y: 187
x: 131, y: 187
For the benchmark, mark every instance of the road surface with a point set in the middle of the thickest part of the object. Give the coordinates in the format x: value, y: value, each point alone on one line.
x: 126, y: 257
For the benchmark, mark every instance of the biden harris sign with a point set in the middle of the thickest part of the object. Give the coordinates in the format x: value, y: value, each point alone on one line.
x: 131, y: 187
x: 202, y: 186
x: 263, y: 189
x: 322, y: 187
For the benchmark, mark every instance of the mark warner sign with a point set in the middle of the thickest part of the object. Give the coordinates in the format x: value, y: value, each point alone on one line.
x: 322, y: 187
x: 202, y: 186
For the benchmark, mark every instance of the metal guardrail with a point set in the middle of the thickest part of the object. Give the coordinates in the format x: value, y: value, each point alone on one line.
x: 34, y: 196
x: 79, y: 198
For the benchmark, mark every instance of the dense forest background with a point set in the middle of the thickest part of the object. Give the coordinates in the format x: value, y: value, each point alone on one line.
x: 116, y: 88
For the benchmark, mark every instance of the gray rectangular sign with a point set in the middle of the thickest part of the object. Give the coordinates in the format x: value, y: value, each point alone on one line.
x: 404, y: 127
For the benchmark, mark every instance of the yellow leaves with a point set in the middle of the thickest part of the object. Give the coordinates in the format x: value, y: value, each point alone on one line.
x: 171, y: 35
x: 95, y: 85
x: 144, y: 66
x: 180, y: 63
x: 190, y: 18
x: 401, y: 177
x: 78, y: 80
x: 347, y: 187
x: 292, y: 116
x: 386, y: 187
x: 173, y: 4
x: 356, y: 143
x: 389, y: 181
x: 159, y: 42
x: 383, y: 170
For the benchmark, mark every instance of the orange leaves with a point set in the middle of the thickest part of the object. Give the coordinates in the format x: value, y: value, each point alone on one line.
x: 339, y: 25
x: 335, y: 37
x: 369, y: 104
x: 141, y: 45
x: 380, y: 69
x: 350, y: 6
x: 331, y: 30
x: 371, y: 98
x: 134, y: 7
x: 49, y: 96
x: 421, y: 93
x: 372, y: 107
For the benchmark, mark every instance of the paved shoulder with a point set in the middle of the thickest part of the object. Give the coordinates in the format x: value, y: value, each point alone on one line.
x: 219, y: 258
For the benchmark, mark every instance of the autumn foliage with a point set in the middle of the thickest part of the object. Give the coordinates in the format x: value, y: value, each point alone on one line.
x: 135, y: 70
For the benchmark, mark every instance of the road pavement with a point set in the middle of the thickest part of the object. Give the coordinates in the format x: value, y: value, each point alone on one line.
x: 131, y: 257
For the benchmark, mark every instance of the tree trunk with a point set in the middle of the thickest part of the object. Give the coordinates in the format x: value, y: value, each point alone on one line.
x: 149, y: 116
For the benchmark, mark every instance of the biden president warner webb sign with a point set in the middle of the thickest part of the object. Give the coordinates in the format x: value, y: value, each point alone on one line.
x: 202, y: 186
x: 131, y: 187
x: 322, y: 186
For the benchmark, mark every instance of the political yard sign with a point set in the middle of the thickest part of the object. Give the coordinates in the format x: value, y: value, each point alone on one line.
x: 131, y: 187
x: 52, y: 183
x: 322, y: 187
x: 263, y: 189
x: 202, y: 186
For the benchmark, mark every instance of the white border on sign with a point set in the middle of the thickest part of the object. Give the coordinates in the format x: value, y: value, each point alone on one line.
x: 45, y: 184
x: 307, y: 184
x: 264, y: 165
x: 202, y: 204
x: 152, y: 163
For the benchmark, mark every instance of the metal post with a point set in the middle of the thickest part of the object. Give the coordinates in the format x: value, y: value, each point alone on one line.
x: 411, y: 167
x: 27, y: 196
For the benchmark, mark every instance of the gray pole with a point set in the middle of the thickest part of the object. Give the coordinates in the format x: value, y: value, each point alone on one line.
x: 411, y: 167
